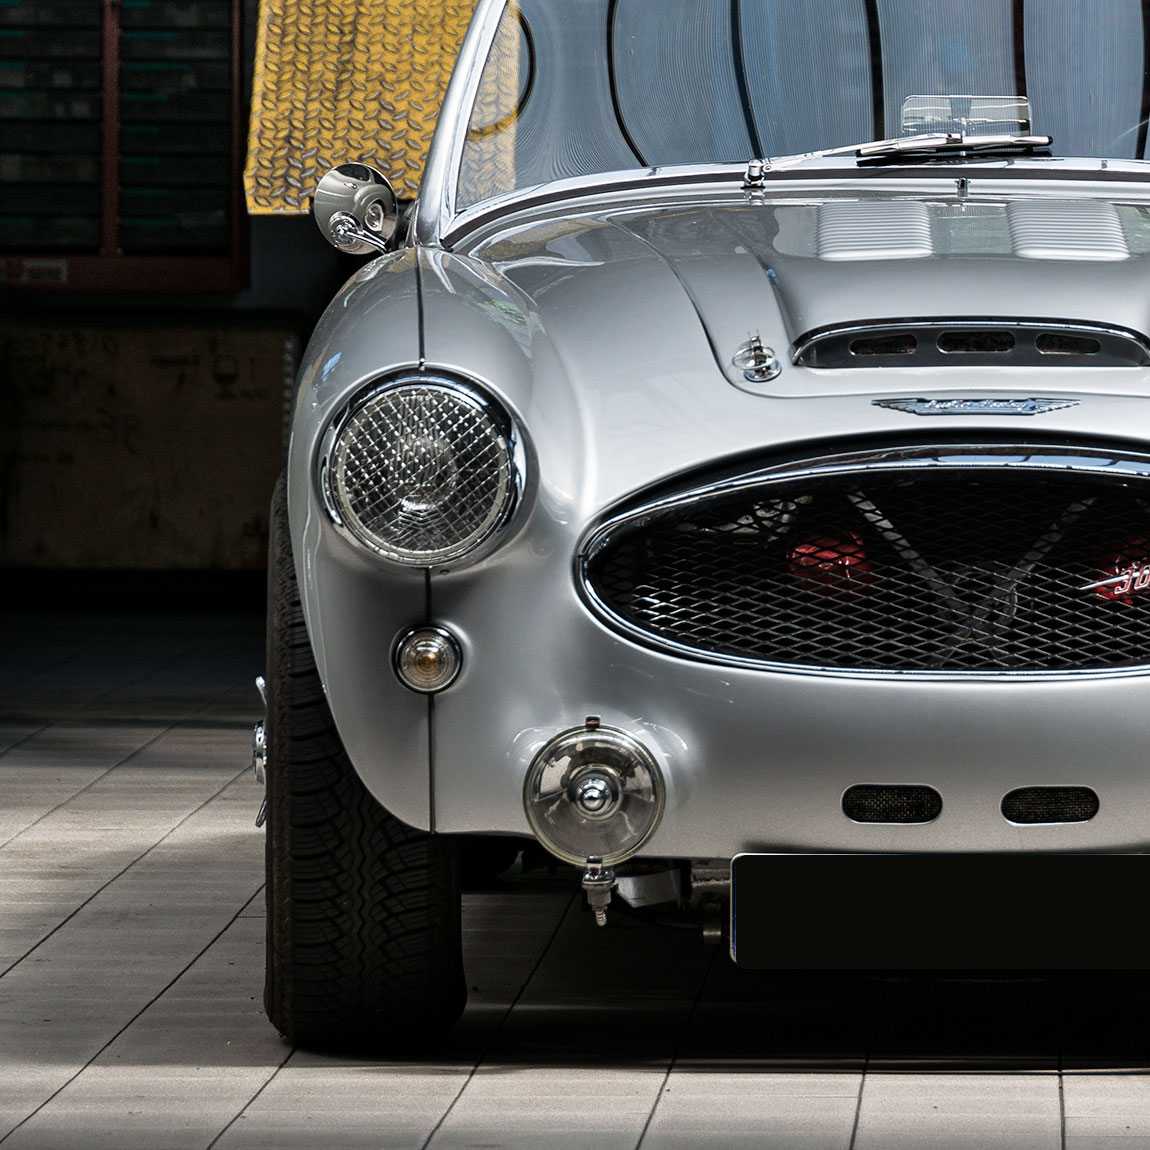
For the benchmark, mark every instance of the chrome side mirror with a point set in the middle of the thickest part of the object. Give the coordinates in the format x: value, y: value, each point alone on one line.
x: 355, y: 209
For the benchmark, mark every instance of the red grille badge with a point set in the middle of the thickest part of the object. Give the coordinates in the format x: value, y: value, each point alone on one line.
x: 1131, y: 573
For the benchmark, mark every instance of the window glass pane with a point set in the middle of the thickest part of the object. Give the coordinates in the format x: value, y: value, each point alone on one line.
x: 930, y: 49
x: 809, y: 74
x: 566, y: 125
x: 1084, y: 75
x: 579, y: 87
x: 683, y: 50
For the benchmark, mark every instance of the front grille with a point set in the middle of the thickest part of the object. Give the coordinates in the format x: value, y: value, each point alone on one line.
x: 1050, y: 805
x: 891, y: 803
x: 1016, y: 567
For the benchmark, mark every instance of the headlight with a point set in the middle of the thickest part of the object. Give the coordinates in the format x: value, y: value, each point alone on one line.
x: 421, y: 470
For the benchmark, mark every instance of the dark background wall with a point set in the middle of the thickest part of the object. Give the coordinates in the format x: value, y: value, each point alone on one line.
x: 140, y: 431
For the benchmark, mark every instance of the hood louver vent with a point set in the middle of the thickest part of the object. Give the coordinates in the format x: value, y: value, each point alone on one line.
x: 874, y: 231
x: 1060, y: 231
x: 914, y: 229
x: 972, y: 342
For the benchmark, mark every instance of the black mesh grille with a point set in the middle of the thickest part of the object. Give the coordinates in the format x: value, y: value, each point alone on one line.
x: 879, y: 803
x: 1050, y: 805
x: 943, y: 570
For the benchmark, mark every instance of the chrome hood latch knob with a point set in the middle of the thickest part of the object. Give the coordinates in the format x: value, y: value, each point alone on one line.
x: 756, y: 361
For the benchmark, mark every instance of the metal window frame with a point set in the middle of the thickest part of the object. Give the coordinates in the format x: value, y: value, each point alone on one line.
x: 110, y: 269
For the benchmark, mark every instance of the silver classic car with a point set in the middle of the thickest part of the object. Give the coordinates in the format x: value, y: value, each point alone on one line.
x: 731, y: 474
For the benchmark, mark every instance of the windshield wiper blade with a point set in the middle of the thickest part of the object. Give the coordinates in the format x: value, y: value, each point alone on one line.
x: 899, y: 147
x: 944, y: 143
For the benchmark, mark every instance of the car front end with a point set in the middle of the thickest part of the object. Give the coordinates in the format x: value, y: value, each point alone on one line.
x: 733, y: 528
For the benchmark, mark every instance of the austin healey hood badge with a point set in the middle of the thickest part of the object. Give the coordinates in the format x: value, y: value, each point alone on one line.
x: 985, y: 406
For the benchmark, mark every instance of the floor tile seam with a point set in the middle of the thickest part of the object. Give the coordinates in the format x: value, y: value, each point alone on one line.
x: 75, y: 653
x: 156, y: 669
x: 78, y: 709
x: 249, y: 682
x: 243, y: 911
x: 1061, y: 1063
x: 172, y: 727
x: 562, y: 918
x: 866, y: 1064
x: 20, y: 742
x: 254, y: 1098
x: 123, y: 1029
x: 120, y: 874
x: 1061, y: 1111
x: 678, y: 1048
x: 84, y: 789
x: 858, y: 1110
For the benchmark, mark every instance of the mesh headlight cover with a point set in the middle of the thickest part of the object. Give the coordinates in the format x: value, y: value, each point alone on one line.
x: 422, y: 471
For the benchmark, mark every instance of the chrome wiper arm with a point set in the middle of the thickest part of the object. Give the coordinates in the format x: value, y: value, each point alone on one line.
x: 757, y: 168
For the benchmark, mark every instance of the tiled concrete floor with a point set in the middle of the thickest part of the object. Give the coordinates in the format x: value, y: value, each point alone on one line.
x: 131, y: 969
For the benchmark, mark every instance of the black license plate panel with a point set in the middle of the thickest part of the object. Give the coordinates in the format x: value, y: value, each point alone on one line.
x: 939, y: 911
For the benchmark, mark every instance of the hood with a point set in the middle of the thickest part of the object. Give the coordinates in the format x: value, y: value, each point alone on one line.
x: 611, y: 334
x: 785, y: 270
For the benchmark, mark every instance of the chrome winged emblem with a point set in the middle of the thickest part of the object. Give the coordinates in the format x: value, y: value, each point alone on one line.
x: 1003, y: 405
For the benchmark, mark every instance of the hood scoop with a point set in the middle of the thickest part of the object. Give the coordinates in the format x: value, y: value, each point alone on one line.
x: 966, y: 342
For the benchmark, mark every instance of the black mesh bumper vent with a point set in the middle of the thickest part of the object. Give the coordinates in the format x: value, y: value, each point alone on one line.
x: 879, y: 803
x: 1050, y: 805
x: 1029, y: 569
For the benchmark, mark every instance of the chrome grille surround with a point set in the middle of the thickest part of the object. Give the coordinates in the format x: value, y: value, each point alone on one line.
x: 421, y: 469
x: 690, y: 608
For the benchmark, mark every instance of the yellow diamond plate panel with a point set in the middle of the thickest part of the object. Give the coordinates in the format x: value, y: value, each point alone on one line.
x: 343, y: 80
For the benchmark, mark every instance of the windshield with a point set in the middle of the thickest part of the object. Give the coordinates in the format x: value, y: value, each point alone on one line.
x: 578, y: 87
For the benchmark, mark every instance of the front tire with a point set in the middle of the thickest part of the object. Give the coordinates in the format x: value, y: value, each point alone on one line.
x: 364, y: 945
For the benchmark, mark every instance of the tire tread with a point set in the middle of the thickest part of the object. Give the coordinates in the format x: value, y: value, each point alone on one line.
x: 363, y: 932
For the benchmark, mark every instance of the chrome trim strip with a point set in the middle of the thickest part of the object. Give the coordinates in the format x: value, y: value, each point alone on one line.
x: 476, y: 395
x: 646, y: 185
x: 984, y: 457
x: 631, y: 184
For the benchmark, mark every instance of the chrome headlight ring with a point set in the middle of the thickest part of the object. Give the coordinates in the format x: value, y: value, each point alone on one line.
x: 422, y: 469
